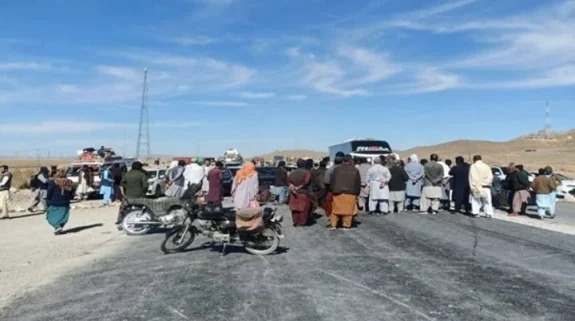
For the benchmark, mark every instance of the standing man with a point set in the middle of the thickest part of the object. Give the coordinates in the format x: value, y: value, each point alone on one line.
x: 280, y: 188
x: 543, y: 186
x: 194, y: 173
x: 208, y: 166
x: 413, y: 190
x: 134, y: 185
x: 397, y: 186
x: 345, y: 185
x: 377, y: 180
x: 461, y: 189
x: 480, y: 180
x: 5, y: 185
x: 521, y: 186
x: 363, y: 168
x: 319, y: 179
x: 40, y: 186
x: 509, y: 185
x: 432, y: 185
x: 338, y: 160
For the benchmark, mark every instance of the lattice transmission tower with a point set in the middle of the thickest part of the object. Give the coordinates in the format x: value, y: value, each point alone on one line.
x: 144, y: 127
x: 547, y: 131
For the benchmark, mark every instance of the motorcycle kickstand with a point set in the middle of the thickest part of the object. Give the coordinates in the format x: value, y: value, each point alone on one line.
x: 224, y: 248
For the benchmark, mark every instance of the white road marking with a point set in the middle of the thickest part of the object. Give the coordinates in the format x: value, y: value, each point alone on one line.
x: 178, y: 313
x: 396, y: 301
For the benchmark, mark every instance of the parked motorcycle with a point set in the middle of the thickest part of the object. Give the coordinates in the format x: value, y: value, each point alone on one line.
x: 139, y: 217
x: 220, y: 226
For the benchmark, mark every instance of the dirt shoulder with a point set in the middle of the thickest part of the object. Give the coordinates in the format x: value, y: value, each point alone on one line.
x: 31, y: 256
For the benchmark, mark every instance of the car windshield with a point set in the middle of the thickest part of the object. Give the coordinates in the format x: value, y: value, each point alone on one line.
x: 234, y: 170
x: 73, y: 172
x: 266, y: 171
x: 151, y: 174
x: 563, y: 177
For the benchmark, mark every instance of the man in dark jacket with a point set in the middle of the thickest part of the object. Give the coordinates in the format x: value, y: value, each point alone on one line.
x: 460, y: 181
x: 521, y: 185
x: 134, y: 185
x: 507, y: 185
x: 319, y: 180
x: 135, y: 182
x: 280, y: 188
x: 397, y: 186
x: 39, y: 185
x: 345, y: 185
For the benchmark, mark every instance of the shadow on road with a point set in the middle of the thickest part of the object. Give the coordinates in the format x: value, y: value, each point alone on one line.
x: 82, y: 228
x: 230, y: 249
x: 27, y: 215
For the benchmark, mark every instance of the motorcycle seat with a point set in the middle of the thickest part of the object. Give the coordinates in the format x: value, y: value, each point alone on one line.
x: 268, y: 213
x: 218, y: 212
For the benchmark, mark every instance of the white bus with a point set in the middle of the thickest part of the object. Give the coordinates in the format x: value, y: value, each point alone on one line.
x: 367, y: 148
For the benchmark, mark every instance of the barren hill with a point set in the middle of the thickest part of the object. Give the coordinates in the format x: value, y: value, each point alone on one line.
x: 534, y: 151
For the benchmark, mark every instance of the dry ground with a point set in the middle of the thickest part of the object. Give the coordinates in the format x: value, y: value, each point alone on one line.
x: 31, y: 255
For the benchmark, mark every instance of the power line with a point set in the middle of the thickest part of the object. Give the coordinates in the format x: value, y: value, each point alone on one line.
x: 144, y: 126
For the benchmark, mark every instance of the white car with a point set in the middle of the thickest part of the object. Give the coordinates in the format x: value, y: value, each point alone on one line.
x: 567, y: 185
x: 156, y: 181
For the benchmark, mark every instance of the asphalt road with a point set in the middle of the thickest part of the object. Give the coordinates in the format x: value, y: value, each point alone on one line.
x: 397, y: 267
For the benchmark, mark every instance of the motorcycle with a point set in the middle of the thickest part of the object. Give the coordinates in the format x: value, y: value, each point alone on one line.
x: 220, y: 226
x: 139, y: 217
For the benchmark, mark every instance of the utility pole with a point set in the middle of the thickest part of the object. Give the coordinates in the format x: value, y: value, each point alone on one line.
x: 547, y: 133
x: 144, y: 126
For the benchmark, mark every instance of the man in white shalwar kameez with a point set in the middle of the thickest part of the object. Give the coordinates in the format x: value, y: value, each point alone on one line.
x: 377, y: 178
x: 480, y: 180
x: 193, y: 174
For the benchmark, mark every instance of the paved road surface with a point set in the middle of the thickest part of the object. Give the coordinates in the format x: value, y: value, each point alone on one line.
x: 399, y: 267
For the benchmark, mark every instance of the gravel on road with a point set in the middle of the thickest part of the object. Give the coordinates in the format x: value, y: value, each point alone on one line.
x: 395, y: 267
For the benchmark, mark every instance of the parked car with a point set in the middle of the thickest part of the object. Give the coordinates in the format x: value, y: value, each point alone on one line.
x: 228, y: 179
x: 499, y: 171
x: 156, y: 181
x: 266, y: 176
x: 566, y: 187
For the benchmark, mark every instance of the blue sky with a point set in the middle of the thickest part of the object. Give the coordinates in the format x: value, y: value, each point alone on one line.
x: 261, y: 75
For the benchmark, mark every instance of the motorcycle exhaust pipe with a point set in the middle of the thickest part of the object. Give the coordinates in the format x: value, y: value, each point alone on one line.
x: 147, y: 223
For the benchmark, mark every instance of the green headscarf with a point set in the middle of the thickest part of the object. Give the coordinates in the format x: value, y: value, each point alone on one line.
x: 200, y: 161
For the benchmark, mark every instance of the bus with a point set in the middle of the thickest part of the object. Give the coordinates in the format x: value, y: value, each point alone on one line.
x: 366, y: 148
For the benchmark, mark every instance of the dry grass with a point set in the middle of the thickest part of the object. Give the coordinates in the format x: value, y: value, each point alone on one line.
x: 23, y: 169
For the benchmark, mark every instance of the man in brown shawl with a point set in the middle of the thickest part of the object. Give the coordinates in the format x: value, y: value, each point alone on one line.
x: 345, y: 186
x: 300, y: 202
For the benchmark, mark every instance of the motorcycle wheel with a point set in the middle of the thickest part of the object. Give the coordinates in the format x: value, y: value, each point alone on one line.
x: 266, y: 249
x: 178, y: 239
x: 130, y: 225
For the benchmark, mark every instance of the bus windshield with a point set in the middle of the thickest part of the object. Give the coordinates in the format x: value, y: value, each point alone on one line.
x: 375, y: 147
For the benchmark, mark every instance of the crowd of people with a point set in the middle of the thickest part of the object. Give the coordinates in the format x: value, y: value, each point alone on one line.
x: 426, y: 186
x: 348, y: 187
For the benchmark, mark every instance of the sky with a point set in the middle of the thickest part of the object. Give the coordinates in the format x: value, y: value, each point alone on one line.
x: 261, y: 75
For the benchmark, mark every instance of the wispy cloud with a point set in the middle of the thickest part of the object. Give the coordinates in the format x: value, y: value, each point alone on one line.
x: 78, y: 127
x: 29, y: 66
x: 209, y: 73
x: 217, y: 2
x: 556, y: 77
x: 257, y: 95
x: 346, y: 71
x: 193, y: 40
x: 429, y: 79
x: 222, y: 103
x: 296, y: 97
